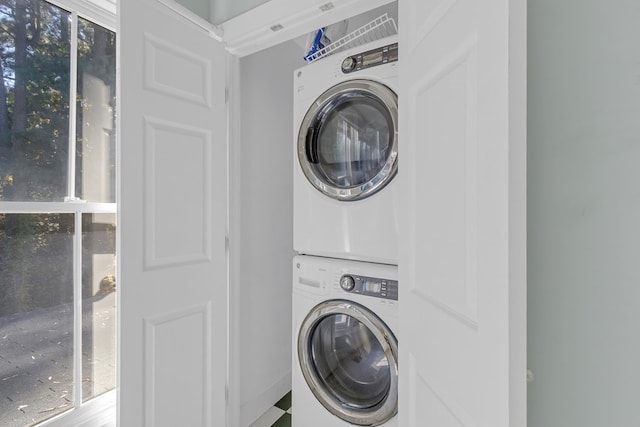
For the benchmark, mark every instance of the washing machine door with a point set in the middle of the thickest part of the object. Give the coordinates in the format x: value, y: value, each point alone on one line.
x: 349, y: 359
x: 348, y: 140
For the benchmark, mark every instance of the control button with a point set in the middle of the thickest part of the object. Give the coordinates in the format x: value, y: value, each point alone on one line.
x: 347, y: 283
x: 349, y: 64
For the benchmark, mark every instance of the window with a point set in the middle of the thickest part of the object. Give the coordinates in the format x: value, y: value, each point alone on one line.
x: 57, y: 211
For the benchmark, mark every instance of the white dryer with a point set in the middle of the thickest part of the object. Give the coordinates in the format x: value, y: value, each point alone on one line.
x: 345, y: 352
x: 346, y: 155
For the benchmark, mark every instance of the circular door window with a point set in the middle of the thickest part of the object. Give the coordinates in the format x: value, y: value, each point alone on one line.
x: 348, y: 357
x: 348, y: 140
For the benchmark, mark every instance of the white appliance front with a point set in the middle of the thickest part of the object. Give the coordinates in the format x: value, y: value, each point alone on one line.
x: 345, y: 369
x: 345, y: 155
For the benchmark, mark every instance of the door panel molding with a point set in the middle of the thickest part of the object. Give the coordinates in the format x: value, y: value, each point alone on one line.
x: 445, y: 410
x: 178, y: 162
x: 419, y: 29
x: 197, y: 347
x: 165, y: 57
x: 453, y: 158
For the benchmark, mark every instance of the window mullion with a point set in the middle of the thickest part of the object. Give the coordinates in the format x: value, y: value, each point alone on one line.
x: 77, y: 311
x: 73, y: 93
x: 55, y: 207
x: 71, y: 196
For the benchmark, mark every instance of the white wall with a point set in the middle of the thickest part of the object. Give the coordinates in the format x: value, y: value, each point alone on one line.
x: 265, y: 214
x: 584, y: 213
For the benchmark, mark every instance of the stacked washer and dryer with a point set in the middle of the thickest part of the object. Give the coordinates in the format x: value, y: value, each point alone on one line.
x: 345, y: 287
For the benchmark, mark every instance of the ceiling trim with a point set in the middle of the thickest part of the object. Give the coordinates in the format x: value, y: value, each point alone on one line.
x: 267, y: 25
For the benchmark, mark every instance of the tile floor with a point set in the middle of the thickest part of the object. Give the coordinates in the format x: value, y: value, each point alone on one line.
x: 278, y: 415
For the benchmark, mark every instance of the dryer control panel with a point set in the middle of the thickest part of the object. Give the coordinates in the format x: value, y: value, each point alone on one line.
x: 371, y: 58
x: 370, y: 286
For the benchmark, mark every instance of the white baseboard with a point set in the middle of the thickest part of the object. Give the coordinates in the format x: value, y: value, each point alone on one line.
x: 253, y: 409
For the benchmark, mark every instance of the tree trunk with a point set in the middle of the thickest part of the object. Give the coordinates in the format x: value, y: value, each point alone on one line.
x: 19, y: 187
x: 98, y: 51
x: 5, y: 147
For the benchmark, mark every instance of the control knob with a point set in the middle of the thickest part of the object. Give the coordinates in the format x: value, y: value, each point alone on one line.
x: 347, y: 283
x: 349, y: 64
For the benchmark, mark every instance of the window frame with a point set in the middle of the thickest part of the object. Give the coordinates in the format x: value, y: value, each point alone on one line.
x: 102, y: 408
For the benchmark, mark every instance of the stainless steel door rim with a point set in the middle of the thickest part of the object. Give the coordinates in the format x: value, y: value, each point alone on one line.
x: 380, y: 101
x: 385, y: 404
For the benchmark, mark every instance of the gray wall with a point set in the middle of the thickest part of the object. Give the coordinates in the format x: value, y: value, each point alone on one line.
x: 584, y: 213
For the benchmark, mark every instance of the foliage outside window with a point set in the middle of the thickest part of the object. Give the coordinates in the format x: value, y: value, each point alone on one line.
x: 57, y: 211
x: 34, y: 100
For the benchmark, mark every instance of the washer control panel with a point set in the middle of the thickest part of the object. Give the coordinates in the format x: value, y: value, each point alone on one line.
x: 371, y: 58
x: 370, y: 286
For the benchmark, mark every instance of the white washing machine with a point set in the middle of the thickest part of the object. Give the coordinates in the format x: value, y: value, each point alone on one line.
x: 346, y: 155
x: 345, y: 352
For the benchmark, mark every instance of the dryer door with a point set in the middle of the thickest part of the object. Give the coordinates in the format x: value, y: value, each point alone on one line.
x: 349, y: 358
x: 348, y: 140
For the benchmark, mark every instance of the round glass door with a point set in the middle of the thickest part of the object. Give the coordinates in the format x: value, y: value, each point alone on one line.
x: 348, y: 140
x: 348, y: 357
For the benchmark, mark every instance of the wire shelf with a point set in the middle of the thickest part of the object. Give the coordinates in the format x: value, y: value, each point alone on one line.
x: 379, y: 28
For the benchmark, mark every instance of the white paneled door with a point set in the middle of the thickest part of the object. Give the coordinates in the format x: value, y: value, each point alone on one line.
x: 172, y: 203
x: 463, y: 162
